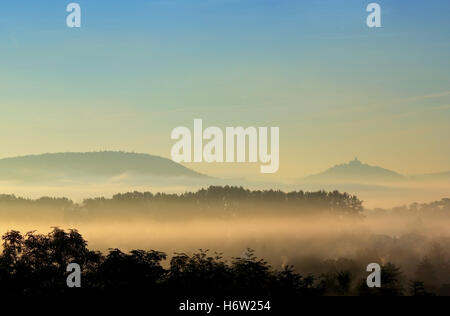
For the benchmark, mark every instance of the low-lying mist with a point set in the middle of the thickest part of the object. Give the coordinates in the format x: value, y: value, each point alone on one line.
x: 316, y: 232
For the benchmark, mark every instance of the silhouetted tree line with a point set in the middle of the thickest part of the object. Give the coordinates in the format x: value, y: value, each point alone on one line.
x: 216, y: 201
x: 11, y: 200
x: 35, y: 265
x: 432, y: 208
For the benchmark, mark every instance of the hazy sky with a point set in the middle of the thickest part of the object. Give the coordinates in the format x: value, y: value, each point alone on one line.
x: 138, y: 69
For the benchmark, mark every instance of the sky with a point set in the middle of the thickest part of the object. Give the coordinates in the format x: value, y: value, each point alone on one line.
x: 135, y: 70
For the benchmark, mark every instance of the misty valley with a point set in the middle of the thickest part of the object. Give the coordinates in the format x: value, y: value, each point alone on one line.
x: 217, y: 157
x: 327, y: 239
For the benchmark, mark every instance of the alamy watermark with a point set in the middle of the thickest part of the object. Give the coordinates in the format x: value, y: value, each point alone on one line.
x: 74, y: 278
x: 374, y: 18
x: 213, y: 145
x: 374, y: 279
x: 74, y: 17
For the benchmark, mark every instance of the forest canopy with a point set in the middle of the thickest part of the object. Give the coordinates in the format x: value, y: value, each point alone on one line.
x: 214, y: 201
x: 36, y: 265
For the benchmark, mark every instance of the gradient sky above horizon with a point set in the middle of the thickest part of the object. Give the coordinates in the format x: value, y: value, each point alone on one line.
x: 138, y: 69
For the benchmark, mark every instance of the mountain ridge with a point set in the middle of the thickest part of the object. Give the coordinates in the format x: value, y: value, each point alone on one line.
x: 115, y: 164
x: 101, y: 163
x: 355, y: 170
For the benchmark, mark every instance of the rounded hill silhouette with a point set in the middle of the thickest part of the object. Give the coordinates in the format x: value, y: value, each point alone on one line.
x: 355, y: 170
x: 90, y: 164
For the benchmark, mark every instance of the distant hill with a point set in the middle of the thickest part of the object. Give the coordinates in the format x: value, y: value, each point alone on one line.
x: 355, y: 171
x: 90, y: 165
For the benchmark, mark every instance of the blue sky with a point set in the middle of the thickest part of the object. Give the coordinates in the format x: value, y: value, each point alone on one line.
x: 137, y: 69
